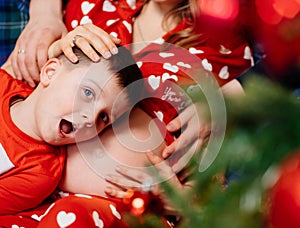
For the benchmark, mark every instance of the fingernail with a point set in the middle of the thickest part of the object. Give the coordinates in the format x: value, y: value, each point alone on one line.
x: 114, y: 50
x: 165, y: 154
x: 96, y: 57
x: 108, y: 190
x: 108, y: 177
x: 107, y: 54
x: 74, y: 59
x: 170, y: 127
x: 119, y: 168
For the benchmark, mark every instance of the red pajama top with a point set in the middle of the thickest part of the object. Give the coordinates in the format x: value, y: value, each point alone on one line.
x: 225, y: 54
x: 29, y: 169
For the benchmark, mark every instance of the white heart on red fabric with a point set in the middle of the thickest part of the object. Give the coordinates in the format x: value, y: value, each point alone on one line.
x: 114, y: 211
x: 166, y: 54
x: 110, y: 22
x: 83, y: 196
x: 186, y: 65
x: 224, y: 74
x: 139, y: 63
x: 108, y: 6
x: 64, y: 219
x: 154, y: 81
x: 170, y: 67
x: 114, y: 34
x: 128, y: 26
x: 131, y: 3
x: 16, y: 226
x: 86, y: 7
x: 247, y: 53
x: 167, y: 76
x: 36, y: 217
x: 224, y: 50
x: 158, y: 41
x: 85, y: 20
x: 74, y: 23
x: 206, y: 65
x: 159, y: 115
x: 98, y: 222
x: 194, y: 51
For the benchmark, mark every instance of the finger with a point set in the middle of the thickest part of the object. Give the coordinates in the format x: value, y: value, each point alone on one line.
x: 134, y: 174
x: 121, y: 181
x: 14, y: 65
x: 169, y: 150
x: 42, y: 56
x: 182, y: 119
x: 117, y: 193
x: 181, y: 143
x: 56, y: 50
x: 21, y: 62
x: 85, y: 45
x: 105, y: 40
x: 116, y: 40
x: 32, y: 66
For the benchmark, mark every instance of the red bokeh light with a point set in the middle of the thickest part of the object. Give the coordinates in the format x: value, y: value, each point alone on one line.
x: 223, y: 9
x: 273, y: 11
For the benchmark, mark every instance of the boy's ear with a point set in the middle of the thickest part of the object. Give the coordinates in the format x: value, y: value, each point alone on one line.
x: 49, y: 70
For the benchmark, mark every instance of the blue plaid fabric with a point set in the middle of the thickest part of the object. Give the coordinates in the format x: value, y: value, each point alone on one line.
x: 14, y: 15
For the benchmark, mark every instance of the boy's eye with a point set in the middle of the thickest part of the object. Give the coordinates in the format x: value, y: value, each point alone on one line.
x: 88, y: 93
x: 104, y: 117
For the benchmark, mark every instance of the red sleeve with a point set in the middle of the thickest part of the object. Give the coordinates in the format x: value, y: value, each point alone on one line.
x: 24, y: 190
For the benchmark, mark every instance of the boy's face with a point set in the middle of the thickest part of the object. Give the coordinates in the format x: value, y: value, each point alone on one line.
x: 77, y: 104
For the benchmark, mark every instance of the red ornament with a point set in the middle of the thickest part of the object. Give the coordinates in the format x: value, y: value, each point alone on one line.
x: 285, y: 195
x: 141, y: 202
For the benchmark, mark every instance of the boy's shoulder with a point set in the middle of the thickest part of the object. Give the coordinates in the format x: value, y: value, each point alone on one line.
x: 10, y: 84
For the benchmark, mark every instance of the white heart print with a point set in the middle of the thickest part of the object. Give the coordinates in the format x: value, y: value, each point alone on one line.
x: 16, y: 226
x: 224, y: 74
x: 247, y: 53
x: 65, y: 219
x: 139, y: 63
x: 224, y: 50
x: 159, y: 115
x: 154, y: 81
x: 97, y: 220
x: 170, y: 67
x: 85, y: 20
x: 114, y: 34
x: 131, y: 3
x: 128, y: 26
x: 206, y: 65
x: 114, y: 211
x: 108, y: 6
x: 86, y: 7
x: 74, y: 23
x: 166, y: 54
x: 167, y: 76
x: 193, y: 50
x: 110, y: 22
x: 36, y: 217
x: 186, y: 65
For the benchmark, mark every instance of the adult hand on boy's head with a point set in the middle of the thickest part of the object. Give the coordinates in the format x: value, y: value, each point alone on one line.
x: 31, y: 50
x: 88, y: 38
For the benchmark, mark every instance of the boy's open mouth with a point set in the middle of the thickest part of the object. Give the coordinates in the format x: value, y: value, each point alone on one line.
x: 66, y: 127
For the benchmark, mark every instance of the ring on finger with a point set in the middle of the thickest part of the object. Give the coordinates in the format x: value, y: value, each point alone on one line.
x: 21, y: 51
x: 75, y: 38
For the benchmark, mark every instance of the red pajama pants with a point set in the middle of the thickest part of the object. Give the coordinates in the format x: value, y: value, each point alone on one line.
x: 72, y: 211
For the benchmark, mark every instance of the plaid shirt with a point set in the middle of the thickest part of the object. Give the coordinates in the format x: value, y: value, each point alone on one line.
x: 14, y: 15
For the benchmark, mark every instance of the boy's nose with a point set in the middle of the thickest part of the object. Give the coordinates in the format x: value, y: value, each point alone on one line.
x: 88, y: 119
